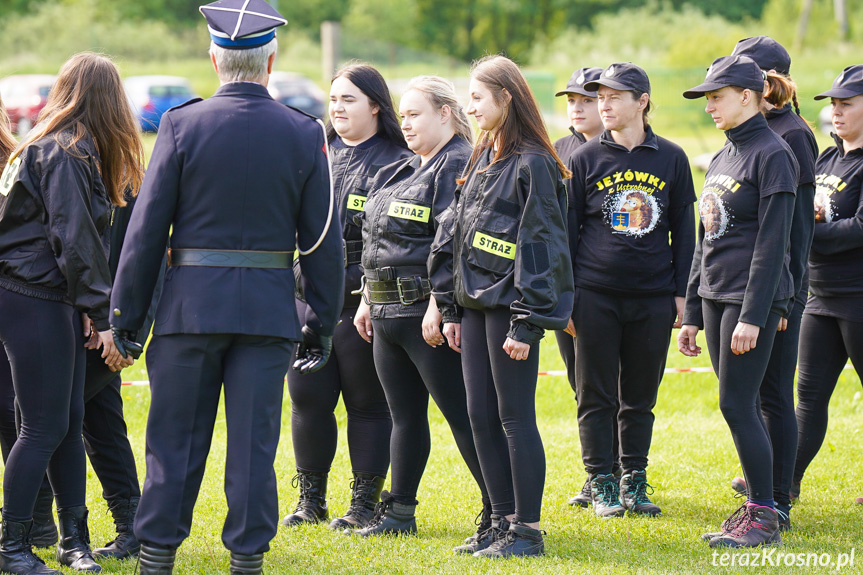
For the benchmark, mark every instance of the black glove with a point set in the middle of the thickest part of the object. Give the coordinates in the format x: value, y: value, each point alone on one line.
x: 314, y: 351
x: 126, y: 344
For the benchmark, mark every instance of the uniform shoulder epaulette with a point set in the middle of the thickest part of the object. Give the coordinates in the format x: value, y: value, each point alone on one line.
x: 187, y: 103
x: 312, y: 116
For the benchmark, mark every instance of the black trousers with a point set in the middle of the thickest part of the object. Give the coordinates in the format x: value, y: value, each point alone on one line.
x: 188, y: 373
x: 777, y: 404
x: 501, y: 402
x: 740, y: 380
x: 826, y: 343
x: 350, y: 372
x: 622, y: 346
x: 45, y: 348
x: 410, y: 371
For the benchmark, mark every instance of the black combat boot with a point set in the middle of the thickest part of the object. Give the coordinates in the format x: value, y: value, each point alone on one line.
x: 247, y: 564
x: 125, y: 545
x: 44, y: 531
x: 758, y: 525
x: 366, y: 490
x: 312, y: 504
x: 634, y: 490
x: 391, y: 517
x: 519, y: 541
x: 73, y: 550
x: 497, y: 529
x: 583, y: 498
x: 16, y: 555
x: 482, y: 522
x: 154, y: 561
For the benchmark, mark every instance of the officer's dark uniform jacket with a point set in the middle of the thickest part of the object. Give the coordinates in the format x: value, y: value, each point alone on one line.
x: 278, y: 202
x: 506, y: 232
x: 54, y: 226
x: 399, y: 220
x: 354, y: 169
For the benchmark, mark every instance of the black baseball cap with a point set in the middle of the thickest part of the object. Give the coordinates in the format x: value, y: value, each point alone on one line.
x: 577, y: 81
x: 767, y: 53
x: 622, y: 76
x: 847, y: 85
x: 740, y: 71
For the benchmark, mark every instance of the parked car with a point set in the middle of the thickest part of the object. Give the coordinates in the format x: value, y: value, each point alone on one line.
x: 152, y: 96
x: 24, y: 97
x: 297, y: 91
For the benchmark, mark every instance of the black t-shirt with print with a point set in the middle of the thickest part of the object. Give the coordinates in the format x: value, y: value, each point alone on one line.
x: 746, y: 209
x: 623, y: 206
x: 836, y: 259
x: 568, y: 144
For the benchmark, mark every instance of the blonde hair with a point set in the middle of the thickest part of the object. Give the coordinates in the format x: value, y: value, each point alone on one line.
x: 440, y: 92
x: 7, y: 140
x: 88, y: 99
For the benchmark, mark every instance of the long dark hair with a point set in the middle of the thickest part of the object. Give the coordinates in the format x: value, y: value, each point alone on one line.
x: 372, y: 84
x: 88, y: 99
x: 7, y: 140
x: 522, y: 124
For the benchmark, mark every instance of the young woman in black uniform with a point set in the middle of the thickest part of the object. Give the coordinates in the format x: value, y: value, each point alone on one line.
x: 630, y: 190
x: 55, y: 207
x: 777, y: 389
x: 364, y: 136
x: 832, y: 329
x: 740, y: 285
x: 504, y: 240
x: 399, y: 223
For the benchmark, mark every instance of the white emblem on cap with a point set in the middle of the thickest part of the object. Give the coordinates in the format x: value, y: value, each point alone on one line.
x: 580, y: 79
x: 710, y: 71
x: 242, y: 12
x: 610, y: 71
x: 841, y: 77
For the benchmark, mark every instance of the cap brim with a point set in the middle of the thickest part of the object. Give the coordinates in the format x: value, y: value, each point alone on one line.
x: 613, y: 84
x: 579, y: 91
x: 701, y: 89
x: 839, y: 93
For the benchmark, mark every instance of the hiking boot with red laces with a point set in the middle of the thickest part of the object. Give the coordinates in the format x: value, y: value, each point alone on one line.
x: 728, y: 525
x: 758, y: 525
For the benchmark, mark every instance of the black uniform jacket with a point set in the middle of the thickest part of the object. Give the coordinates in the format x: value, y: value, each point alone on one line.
x: 505, y: 238
x: 399, y: 221
x: 354, y: 170
x: 238, y: 171
x: 54, y: 220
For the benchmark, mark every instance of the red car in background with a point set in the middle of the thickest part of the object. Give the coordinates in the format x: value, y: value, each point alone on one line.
x: 24, y: 97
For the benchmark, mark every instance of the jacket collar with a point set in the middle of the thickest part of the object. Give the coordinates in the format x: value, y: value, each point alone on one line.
x: 776, y: 112
x: 649, y: 142
x: 741, y: 135
x: 840, y: 145
x: 371, y: 142
x: 243, y: 89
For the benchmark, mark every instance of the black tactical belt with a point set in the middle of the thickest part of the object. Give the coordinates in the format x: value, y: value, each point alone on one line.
x: 353, y: 252
x: 230, y: 258
x: 404, y: 290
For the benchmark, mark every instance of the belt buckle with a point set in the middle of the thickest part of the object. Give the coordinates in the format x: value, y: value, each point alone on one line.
x: 399, y: 286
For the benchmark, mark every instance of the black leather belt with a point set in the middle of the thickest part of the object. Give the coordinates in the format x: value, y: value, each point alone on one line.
x: 230, y: 258
x: 353, y: 252
x: 404, y: 290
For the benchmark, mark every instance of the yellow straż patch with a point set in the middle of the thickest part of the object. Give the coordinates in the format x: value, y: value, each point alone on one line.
x: 494, y: 246
x: 409, y: 212
x: 356, y: 202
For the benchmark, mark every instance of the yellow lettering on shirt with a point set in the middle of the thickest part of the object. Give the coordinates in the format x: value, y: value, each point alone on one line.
x: 356, y: 202
x: 409, y: 212
x: 494, y: 246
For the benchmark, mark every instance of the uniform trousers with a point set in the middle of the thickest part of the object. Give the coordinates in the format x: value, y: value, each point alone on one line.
x: 501, y: 402
x: 188, y: 373
x: 622, y: 346
x: 777, y: 404
x: 410, y: 371
x: 740, y: 380
x: 826, y: 343
x: 350, y: 372
x: 45, y: 347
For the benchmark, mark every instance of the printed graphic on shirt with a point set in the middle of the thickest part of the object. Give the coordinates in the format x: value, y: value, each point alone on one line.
x: 9, y: 174
x: 494, y: 246
x: 713, y: 210
x: 409, y: 212
x: 356, y: 202
x: 630, y: 206
x: 825, y: 186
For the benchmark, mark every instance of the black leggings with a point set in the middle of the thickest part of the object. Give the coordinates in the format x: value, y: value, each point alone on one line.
x: 351, y: 373
x: 501, y: 401
x: 410, y: 371
x: 826, y: 343
x: 777, y: 404
x: 740, y: 378
x: 45, y: 347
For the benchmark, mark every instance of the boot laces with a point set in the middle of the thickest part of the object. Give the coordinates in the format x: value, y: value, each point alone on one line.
x: 609, y: 493
x: 305, y: 486
x: 748, y: 522
x: 730, y: 524
x: 380, y: 509
x: 638, y: 489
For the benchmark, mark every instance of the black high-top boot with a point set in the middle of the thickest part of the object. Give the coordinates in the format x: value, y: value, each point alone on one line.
x: 312, y: 504
x: 583, y: 498
x: 391, y: 518
x: 44, y: 531
x: 154, y: 561
x: 482, y: 522
x: 73, y: 550
x: 16, y: 555
x: 247, y: 564
x: 367, y: 490
x: 125, y: 545
x: 519, y: 541
x: 497, y: 529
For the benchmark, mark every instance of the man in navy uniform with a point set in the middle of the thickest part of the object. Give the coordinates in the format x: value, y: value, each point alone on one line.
x: 240, y: 182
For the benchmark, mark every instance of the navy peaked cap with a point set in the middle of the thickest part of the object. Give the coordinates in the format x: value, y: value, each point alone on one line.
x: 740, y: 71
x: 847, y: 85
x: 767, y: 53
x: 577, y: 81
x: 241, y: 24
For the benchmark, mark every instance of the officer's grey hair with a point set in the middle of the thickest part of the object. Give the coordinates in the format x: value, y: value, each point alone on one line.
x: 440, y: 93
x: 243, y: 65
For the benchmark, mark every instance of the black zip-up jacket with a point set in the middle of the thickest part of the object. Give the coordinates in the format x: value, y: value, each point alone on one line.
x: 505, y: 238
x: 399, y: 221
x: 353, y: 169
x: 566, y: 145
x: 54, y: 226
